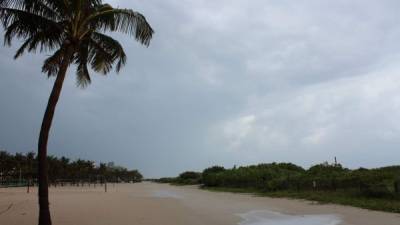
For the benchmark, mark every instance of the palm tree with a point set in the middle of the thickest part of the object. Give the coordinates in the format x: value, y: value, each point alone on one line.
x: 74, y: 32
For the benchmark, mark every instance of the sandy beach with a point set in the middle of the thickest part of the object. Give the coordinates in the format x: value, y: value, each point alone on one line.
x: 155, y: 204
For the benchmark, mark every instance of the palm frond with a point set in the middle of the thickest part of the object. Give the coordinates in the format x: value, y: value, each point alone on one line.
x: 22, y: 48
x: 123, y: 20
x: 82, y: 76
x: 82, y: 72
x: 46, y: 40
x: 52, y: 64
x: 59, y: 6
x: 37, y: 7
x: 112, y: 46
x: 100, y: 60
x: 22, y: 24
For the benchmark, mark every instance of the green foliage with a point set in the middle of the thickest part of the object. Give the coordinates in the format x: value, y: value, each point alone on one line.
x: 379, y: 183
x: 214, y: 169
x: 185, y: 178
x: 190, y: 175
x: 24, y: 167
x: 376, y: 189
x: 209, y: 174
x: 189, y: 178
x: 73, y: 32
x: 166, y: 180
x: 262, y: 176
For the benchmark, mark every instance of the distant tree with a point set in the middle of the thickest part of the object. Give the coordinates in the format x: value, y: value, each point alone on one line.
x: 215, y: 169
x: 62, y: 169
x: 189, y: 175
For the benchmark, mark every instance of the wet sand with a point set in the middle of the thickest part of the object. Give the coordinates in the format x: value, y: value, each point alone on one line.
x: 155, y: 204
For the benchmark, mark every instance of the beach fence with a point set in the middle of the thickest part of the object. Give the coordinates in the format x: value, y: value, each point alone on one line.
x: 101, y: 184
x: 13, y: 183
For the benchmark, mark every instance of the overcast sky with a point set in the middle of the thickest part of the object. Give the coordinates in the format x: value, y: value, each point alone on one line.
x: 226, y: 82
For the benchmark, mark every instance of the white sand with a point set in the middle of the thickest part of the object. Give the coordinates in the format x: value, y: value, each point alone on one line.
x: 156, y: 204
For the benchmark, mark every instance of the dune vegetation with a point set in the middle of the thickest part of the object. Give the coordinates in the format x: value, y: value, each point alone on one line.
x: 377, y: 189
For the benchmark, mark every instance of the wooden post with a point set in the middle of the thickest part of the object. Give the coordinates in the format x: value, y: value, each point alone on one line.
x: 27, y: 189
x: 105, y: 186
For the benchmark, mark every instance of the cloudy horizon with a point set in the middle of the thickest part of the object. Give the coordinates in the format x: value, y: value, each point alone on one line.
x: 226, y: 83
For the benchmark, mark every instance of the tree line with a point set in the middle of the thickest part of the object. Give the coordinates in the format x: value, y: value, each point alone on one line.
x: 21, y: 168
x: 381, y: 182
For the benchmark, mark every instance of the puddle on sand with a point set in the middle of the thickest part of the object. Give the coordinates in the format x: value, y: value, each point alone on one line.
x: 275, y: 218
x: 165, y: 194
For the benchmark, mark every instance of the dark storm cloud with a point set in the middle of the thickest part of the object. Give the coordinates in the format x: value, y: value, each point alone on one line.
x: 227, y: 82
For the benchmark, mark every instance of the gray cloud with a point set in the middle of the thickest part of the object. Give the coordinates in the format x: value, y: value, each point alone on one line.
x: 227, y: 82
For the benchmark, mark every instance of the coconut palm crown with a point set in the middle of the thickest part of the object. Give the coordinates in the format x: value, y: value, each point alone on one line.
x: 73, y: 32
x: 73, y: 28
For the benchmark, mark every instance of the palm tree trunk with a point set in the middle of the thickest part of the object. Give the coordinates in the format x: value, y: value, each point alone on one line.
x: 44, y: 211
